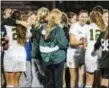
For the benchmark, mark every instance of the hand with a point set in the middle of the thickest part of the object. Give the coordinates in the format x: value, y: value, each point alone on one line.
x: 93, y: 53
x: 5, y: 44
x: 81, y: 41
x: 69, y: 63
x: 4, y: 39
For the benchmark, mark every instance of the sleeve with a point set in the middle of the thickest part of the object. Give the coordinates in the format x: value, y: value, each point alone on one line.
x: 3, y: 30
x: 98, y: 43
x: 62, y: 41
x: 72, y: 29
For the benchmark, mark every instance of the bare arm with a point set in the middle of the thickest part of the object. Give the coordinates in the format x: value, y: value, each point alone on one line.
x: 84, y: 41
x: 24, y: 23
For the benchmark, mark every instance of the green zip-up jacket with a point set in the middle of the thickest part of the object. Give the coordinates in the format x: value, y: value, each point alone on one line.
x: 53, y: 49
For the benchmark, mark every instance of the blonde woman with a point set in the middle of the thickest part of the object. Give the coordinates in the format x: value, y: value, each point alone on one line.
x: 41, y: 16
x: 36, y: 31
x: 97, y: 25
x: 52, y: 47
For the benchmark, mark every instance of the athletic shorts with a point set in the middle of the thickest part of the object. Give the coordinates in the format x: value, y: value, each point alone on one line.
x: 91, y: 62
x: 15, y: 59
x: 75, y: 58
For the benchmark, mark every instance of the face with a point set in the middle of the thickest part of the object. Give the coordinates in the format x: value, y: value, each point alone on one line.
x: 44, y: 15
x: 47, y: 18
x: 83, y: 18
x: 31, y: 20
x: 105, y: 18
x: 74, y: 19
x: 8, y: 13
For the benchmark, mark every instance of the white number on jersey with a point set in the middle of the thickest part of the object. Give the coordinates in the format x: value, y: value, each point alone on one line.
x: 105, y: 44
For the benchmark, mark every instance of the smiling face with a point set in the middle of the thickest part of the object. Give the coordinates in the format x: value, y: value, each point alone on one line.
x: 83, y: 17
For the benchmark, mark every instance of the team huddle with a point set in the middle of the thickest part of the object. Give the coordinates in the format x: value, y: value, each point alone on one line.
x: 40, y: 48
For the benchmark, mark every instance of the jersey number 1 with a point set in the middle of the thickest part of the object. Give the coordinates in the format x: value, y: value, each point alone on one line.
x: 94, y: 34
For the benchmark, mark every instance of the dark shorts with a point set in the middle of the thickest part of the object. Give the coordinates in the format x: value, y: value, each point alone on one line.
x: 105, y: 73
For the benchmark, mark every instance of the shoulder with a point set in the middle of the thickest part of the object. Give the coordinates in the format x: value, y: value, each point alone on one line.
x: 87, y: 28
x: 74, y: 25
x: 74, y: 28
x: 58, y: 29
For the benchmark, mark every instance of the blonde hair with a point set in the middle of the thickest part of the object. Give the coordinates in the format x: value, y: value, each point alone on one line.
x: 39, y: 16
x: 54, y: 19
x: 105, y: 11
x: 96, y: 17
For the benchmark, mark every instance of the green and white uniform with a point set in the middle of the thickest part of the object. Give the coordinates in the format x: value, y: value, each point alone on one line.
x: 75, y: 55
x: 92, y: 36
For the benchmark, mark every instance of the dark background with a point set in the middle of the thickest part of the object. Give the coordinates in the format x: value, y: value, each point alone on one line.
x: 65, y: 6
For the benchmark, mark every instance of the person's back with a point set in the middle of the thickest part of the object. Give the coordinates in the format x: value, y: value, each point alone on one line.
x: 92, y: 36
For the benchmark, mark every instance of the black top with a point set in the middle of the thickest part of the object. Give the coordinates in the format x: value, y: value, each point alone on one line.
x: 3, y: 30
x: 66, y: 31
x: 104, y: 43
x: 36, y: 34
x: 9, y: 21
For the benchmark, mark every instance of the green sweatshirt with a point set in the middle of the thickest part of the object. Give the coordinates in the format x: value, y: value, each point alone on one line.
x: 53, y: 49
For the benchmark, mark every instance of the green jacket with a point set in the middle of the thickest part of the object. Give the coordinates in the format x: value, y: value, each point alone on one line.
x: 53, y: 49
x: 36, y: 34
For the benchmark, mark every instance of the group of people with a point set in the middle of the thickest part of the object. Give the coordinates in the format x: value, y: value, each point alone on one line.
x: 54, y: 49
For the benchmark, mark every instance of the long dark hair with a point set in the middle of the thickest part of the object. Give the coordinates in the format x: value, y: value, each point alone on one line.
x: 21, y: 34
x: 64, y: 19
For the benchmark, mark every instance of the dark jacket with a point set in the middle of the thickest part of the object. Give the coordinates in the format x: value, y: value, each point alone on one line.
x: 104, y: 43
